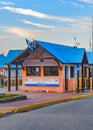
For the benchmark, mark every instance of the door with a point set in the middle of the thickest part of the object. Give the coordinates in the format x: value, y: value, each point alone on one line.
x: 66, y: 78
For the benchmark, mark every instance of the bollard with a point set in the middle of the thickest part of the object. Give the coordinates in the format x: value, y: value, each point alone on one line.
x: 85, y: 81
x: 74, y: 86
x: 74, y: 89
x: 79, y: 83
x: 90, y: 85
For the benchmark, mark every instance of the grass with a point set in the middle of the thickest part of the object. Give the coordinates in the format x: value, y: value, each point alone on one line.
x: 7, y: 96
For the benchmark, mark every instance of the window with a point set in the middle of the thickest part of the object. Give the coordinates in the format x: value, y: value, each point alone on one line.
x: 33, y: 71
x: 72, y: 71
x: 50, y: 71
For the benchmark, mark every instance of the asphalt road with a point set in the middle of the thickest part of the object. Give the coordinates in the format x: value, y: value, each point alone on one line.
x: 72, y: 115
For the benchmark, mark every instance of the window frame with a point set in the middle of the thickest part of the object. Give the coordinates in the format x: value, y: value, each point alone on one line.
x: 72, y: 71
x: 30, y: 73
x: 46, y: 68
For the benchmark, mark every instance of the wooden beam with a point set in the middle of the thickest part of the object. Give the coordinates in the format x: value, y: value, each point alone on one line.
x: 82, y: 77
x: 37, y: 58
x: 9, y: 78
x: 16, y: 77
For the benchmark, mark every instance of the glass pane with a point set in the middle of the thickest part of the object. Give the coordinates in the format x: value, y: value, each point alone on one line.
x: 51, y: 71
x: 72, y: 71
x: 33, y: 71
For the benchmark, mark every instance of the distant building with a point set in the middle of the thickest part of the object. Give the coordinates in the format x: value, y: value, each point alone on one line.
x: 4, y: 60
x: 10, y: 56
x: 90, y: 64
x: 2, y: 69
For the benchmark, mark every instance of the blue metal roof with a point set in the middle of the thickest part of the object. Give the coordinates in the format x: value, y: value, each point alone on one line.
x: 11, y: 55
x: 65, y: 54
x: 90, y: 58
x: 2, y: 60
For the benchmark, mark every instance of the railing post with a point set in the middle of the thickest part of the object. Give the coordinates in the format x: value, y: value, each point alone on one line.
x: 85, y: 81
x: 90, y: 85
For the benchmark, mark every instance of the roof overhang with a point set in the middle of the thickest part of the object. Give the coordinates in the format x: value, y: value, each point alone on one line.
x: 20, y: 58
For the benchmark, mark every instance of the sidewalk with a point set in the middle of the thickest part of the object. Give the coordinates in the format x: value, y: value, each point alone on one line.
x: 38, y: 99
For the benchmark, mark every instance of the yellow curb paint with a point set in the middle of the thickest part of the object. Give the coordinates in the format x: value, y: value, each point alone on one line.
x: 6, y: 110
x: 42, y: 104
x: 1, y: 114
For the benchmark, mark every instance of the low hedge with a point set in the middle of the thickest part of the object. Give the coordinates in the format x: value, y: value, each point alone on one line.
x: 4, y: 98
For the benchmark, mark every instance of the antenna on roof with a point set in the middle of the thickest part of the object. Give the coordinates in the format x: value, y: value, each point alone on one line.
x: 31, y: 44
x: 33, y: 40
x: 76, y: 44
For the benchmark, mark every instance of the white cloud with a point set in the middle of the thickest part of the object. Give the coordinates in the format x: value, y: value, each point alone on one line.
x: 37, y: 24
x: 22, y: 32
x: 87, y: 1
x: 6, y: 3
x: 83, y: 24
x: 37, y: 14
x: 78, y: 5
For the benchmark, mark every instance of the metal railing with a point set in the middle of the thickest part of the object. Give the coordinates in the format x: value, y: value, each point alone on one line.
x: 87, y: 84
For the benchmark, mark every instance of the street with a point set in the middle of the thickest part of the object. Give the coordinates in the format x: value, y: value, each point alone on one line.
x: 72, y: 115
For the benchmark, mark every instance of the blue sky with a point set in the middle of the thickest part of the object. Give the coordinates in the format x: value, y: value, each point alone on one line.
x: 57, y: 21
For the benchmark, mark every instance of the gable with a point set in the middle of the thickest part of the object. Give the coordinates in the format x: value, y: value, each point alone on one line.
x: 40, y: 53
x: 40, y: 57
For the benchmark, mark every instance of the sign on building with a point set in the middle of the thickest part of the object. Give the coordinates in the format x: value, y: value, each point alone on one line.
x: 42, y: 82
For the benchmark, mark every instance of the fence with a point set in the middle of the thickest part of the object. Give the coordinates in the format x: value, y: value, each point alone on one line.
x: 4, y: 82
x: 87, y: 84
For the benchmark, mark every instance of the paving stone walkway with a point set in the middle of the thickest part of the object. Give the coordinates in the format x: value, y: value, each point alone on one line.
x: 36, y: 97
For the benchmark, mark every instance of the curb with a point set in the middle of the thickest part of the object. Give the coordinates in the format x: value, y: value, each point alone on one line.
x: 42, y: 104
x: 1, y: 114
x: 47, y: 103
x: 6, y: 110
